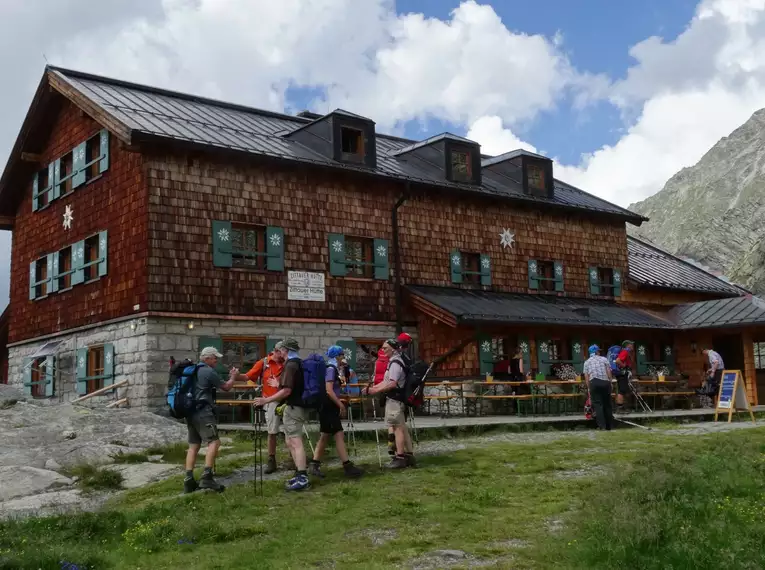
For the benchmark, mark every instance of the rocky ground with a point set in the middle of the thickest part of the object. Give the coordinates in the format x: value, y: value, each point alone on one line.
x: 41, y: 443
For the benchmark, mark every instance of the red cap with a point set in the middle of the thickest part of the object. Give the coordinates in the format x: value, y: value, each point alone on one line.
x: 404, y: 338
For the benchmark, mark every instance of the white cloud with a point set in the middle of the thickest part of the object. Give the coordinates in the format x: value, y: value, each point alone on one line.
x: 494, y: 137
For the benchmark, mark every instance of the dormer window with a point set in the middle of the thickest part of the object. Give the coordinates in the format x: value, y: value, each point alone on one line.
x: 462, y: 170
x: 352, y: 144
x: 536, y: 177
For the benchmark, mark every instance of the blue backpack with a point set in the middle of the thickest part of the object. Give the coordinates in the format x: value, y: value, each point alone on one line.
x: 612, y: 355
x: 314, y: 373
x: 181, y: 388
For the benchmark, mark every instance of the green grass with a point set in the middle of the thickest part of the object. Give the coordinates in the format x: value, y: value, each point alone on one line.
x: 90, y: 478
x: 628, y: 499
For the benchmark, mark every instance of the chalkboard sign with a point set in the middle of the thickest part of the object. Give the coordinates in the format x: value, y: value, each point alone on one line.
x: 732, y: 395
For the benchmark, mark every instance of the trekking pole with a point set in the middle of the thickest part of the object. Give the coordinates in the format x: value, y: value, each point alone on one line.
x: 377, y: 434
x: 352, y: 429
x: 308, y: 437
x: 414, y: 427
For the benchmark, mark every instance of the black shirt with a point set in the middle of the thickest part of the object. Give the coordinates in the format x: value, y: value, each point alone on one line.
x: 292, y: 377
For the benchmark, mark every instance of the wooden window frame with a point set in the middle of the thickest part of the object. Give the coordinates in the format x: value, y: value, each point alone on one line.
x: 607, y: 286
x: 460, y: 174
x: 542, y: 172
x: 365, y: 268
x: 44, y: 185
x: 348, y: 134
x: 758, y: 349
x: 95, y: 369
x: 240, y: 255
x: 261, y: 341
x: 90, y: 263
x: 38, y: 376
x: 65, y: 269
x: 471, y: 267
x: 93, y: 158
x: 42, y: 287
x: 66, y: 174
x: 546, y: 284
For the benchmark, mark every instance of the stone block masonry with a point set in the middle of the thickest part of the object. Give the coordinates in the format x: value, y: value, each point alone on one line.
x: 143, y: 348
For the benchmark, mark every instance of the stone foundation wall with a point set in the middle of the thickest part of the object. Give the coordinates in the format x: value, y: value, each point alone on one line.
x: 143, y: 348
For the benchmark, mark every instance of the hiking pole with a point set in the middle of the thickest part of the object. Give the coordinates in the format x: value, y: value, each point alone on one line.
x: 352, y: 429
x: 632, y: 424
x: 377, y: 434
x: 308, y: 437
x: 414, y: 426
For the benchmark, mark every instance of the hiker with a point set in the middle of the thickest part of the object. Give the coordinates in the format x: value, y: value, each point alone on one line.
x: 714, y: 372
x: 267, y: 372
x: 395, y: 408
x: 294, y: 414
x: 624, y: 367
x: 381, y: 367
x: 597, y: 375
x: 330, y: 413
x: 516, y: 366
x: 202, y: 424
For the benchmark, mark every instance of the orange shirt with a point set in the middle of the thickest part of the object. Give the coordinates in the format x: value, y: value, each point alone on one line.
x: 270, y: 375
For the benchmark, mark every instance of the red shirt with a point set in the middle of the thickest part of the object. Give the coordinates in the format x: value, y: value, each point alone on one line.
x: 270, y: 375
x: 625, y: 358
x: 381, y: 365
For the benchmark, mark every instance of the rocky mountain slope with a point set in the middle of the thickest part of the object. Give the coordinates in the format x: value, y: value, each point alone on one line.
x: 714, y: 211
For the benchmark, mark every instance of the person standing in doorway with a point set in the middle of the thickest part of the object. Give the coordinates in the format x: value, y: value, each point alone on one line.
x: 714, y: 372
x: 202, y: 424
x: 624, y: 365
x: 597, y: 375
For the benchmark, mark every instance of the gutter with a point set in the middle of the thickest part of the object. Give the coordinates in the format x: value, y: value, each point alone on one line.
x: 397, y: 256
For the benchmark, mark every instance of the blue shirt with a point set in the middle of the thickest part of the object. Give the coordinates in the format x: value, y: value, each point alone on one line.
x: 332, y: 375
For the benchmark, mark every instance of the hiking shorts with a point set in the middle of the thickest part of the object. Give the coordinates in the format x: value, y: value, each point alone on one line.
x: 294, y: 420
x: 395, y: 413
x: 273, y: 420
x: 623, y: 384
x: 329, y: 419
x: 202, y: 426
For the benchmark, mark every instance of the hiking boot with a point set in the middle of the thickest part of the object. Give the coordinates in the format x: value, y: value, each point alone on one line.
x: 351, y: 471
x: 398, y: 462
x: 298, y: 483
x: 410, y: 460
x: 314, y: 469
x: 208, y: 483
x: 189, y: 485
x: 391, y: 448
x: 271, y: 465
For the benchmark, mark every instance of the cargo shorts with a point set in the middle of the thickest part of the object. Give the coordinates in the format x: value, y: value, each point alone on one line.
x: 294, y: 420
x: 395, y: 413
x: 273, y: 420
x: 202, y: 426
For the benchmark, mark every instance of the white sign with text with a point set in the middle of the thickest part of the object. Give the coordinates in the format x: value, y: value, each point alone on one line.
x: 305, y: 286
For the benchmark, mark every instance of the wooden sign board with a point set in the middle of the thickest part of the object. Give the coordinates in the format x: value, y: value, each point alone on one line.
x: 732, y: 395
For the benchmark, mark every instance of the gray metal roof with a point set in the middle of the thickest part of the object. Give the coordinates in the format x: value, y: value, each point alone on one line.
x: 746, y: 310
x: 486, y: 307
x: 508, y: 155
x: 151, y: 113
x: 651, y: 266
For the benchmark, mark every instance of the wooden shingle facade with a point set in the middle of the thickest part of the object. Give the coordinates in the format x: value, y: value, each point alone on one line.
x: 148, y: 224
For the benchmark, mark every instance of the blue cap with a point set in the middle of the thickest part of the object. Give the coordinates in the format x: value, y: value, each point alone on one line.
x: 334, y: 351
x: 594, y: 348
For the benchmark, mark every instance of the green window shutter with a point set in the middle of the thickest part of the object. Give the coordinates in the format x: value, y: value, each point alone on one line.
x: 558, y: 267
x: 82, y: 371
x: 382, y: 266
x: 543, y: 357
x: 221, y: 243
x: 78, y: 165
x: 594, y: 281
x: 337, y: 266
x: 217, y: 343
x: 525, y: 345
x: 52, y: 272
x: 485, y: 355
x: 103, y: 249
x: 57, y: 178
x: 35, y: 192
x: 108, y: 364
x: 533, y: 281
x: 455, y: 262
x: 669, y: 357
x: 576, y: 356
x: 27, y: 376
x: 617, y: 283
x: 640, y: 359
x: 51, y: 186
x: 78, y: 262
x: 274, y: 249
x: 50, y: 375
x: 349, y: 346
x: 103, y: 164
x: 32, y: 277
x: 270, y: 344
x: 485, y: 270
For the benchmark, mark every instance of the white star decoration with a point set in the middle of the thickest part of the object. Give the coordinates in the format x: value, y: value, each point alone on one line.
x: 81, y: 154
x: 524, y: 347
x: 543, y: 347
x: 594, y: 275
x: 617, y: 277
x: 577, y: 348
x: 108, y: 358
x: 558, y: 270
x: 81, y: 362
x: 668, y: 351
x: 337, y: 245
x: 485, y: 262
x: 506, y: 238
x: 641, y: 350
x: 348, y: 354
x: 486, y: 346
x: 381, y: 251
x: 102, y: 244
x: 276, y: 240
x: 78, y: 253
x: 456, y: 260
x: 533, y: 266
x: 223, y: 234
x: 55, y: 263
x: 68, y: 217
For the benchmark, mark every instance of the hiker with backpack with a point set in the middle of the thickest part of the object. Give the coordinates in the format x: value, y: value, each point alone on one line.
x: 202, y: 380
x: 620, y: 359
x: 266, y: 373
x: 597, y: 375
x: 394, y: 386
x: 299, y: 392
x: 331, y: 410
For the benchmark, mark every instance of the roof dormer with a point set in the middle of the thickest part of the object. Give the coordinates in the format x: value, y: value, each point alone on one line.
x: 458, y: 159
x: 341, y: 136
x: 533, y: 171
